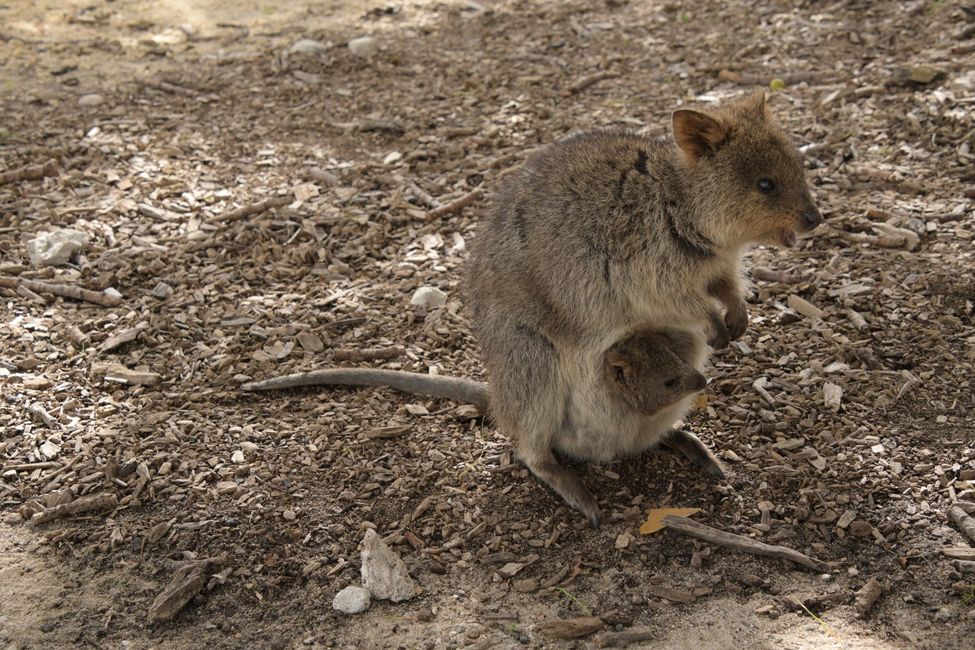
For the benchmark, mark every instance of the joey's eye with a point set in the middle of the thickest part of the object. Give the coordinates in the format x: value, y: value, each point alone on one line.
x: 670, y: 383
x: 766, y: 185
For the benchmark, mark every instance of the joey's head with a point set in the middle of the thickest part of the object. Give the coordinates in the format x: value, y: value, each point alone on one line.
x: 648, y: 370
x: 748, y: 180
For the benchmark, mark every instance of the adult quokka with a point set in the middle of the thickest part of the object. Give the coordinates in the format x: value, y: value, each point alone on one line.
x: 605, y: 231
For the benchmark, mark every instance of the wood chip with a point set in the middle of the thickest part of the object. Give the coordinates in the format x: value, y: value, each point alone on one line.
x: 867, y: 597
x: 625, y: 638
x: 802, y: 306
x: 571, y: 628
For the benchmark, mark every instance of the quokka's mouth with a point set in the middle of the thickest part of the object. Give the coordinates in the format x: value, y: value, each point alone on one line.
x: 787, y: 237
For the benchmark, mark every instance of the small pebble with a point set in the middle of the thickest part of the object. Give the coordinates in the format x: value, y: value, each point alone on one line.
x: 308, y: 46
x: 352, y: 600
x: 429, y: 298
x: 363, y: 46
x: 94, y: 99
x: 162, y: 291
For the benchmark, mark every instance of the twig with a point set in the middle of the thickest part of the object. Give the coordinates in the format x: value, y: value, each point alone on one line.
x: 345, y: 322
x: 255, y: 208
x: 742, y: 543
x: 37, y: 410
x: 97, y: 502
x: 748, y: 79
x: 29, y: 467
x: 423, y: 197
x: 455, y: 206
x: 167, y: 87
x: 626, y: 637
x: 961, y: 519
x: 587, y: 81
x: 966, y: 553
x: 867, y: 596
x: 768, y: 275
x: 368, y: 354
x: 30, y: 173
x: 64, y: 290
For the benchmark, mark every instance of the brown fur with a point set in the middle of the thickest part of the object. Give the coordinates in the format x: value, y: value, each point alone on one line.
x: 605, y: 231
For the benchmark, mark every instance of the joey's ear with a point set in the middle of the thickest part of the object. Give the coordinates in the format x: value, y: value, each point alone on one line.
x: 619, y: 364
x: 757, y: 104
x: 698, y: 135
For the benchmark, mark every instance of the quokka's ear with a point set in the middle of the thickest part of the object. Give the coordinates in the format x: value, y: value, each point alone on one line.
x: 698, y: 135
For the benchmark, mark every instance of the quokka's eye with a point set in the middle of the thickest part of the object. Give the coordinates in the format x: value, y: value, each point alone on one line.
x: 766, y: 185
x: 671, y: 383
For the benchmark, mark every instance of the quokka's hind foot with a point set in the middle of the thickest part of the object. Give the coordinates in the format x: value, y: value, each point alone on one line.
x: 565, y: 482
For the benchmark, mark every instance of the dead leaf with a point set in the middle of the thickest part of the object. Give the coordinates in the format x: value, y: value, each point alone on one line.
x: 655, y: 516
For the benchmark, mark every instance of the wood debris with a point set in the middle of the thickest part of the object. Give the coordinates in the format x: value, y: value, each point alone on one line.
x: 742, y: 543
x: 868, y: 596
x: 571, y: 628
x: 29, y: 173
x: 108, y: 298
x: 93, y: 503
x: 963, y: 521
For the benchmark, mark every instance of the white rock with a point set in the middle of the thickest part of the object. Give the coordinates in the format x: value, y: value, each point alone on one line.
x: 56, y: 247
x: 162, y: 291
x: 50, y: 450
x: 171, y: 36
x: 94, y: 99
x: 393, y: 157
x: 363, y: 46
x: 307, y: 46
x: 384, y: 574
x: 457, y: 243
x: 429, y: 298
x: 352, y: 600
x: 237, y: 457
x: 832, y: 395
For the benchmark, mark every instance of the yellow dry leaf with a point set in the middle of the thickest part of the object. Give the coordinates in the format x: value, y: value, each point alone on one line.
x: 701, y: 402
x: 655, y: 516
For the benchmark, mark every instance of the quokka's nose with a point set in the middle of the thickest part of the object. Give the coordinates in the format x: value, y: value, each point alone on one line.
x: 698, y: 382
x: 811, y: 218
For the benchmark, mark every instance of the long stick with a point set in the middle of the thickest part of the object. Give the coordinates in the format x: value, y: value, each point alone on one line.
x: 455, y: 206
x: 30, y: 172
x: 96, y: 502
x: 63, y: 290
x: 256, y: 208
x: 961, y: 519
x: 742, y: 543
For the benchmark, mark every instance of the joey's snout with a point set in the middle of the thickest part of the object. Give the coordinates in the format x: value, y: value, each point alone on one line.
x: 810, y: 218
x: 697, y: 382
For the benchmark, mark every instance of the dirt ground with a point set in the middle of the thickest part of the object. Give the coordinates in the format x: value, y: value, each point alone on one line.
x: 845, y: 421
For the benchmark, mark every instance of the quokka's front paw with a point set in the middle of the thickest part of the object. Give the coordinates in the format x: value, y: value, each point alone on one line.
x: 720, y: 335
x: 736, y: 320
